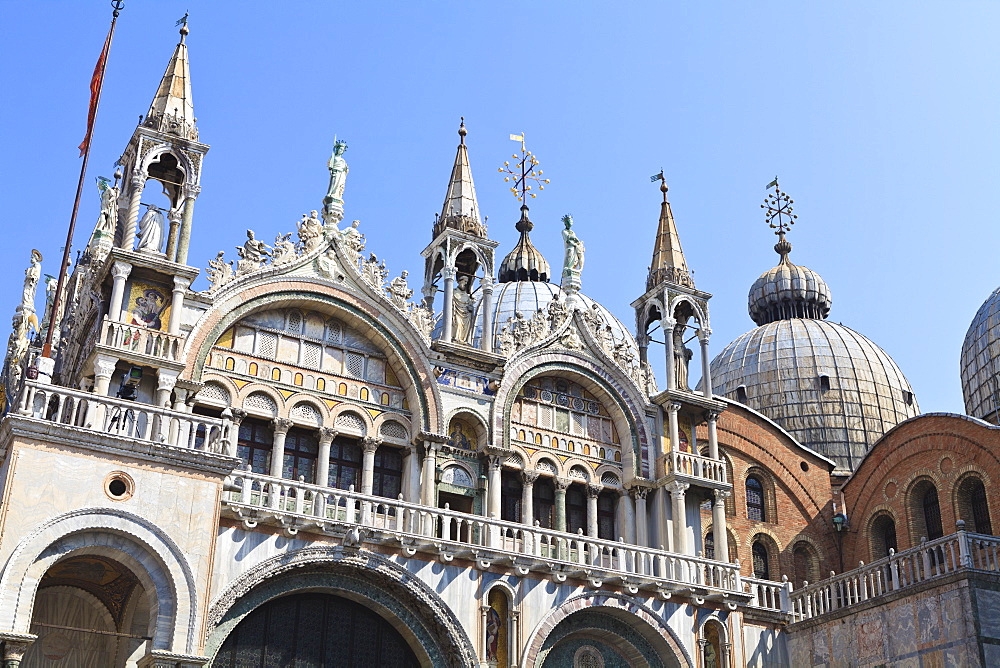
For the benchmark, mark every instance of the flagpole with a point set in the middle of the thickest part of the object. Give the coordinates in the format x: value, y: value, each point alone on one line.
x: 95, y: 101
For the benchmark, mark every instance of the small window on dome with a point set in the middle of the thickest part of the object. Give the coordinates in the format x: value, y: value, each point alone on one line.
x: 741, y: 394
x: 908, y: 397
x: 824, y: 383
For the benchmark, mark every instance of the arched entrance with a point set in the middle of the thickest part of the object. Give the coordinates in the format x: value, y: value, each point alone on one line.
x: 90, y: 611
x: 314, y: 629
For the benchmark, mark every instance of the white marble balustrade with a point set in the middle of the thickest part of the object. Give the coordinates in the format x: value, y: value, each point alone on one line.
x: 768, y: 594
x: 123, y: 337
x: 696, y: 466
x: 129, y: 419
x: 450, y: 533
x: 930, y: 560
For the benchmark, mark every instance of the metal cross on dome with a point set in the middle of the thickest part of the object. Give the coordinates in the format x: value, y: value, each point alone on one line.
x: 523, y: 171
x: 778, y: 210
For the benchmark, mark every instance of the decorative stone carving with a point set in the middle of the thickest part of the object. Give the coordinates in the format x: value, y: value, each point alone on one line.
x: 352, y: 240
x: 529, y: 477
x: 310, y: 232
x: 252, y: 255
x: 219, y: 272
x: 561, y: 484
x: 682, y: 357
x: 594, y: 491
x: 370, y: 443
x: 373, y: 272
x: 31, y: 276
x: 151, y: 232
x: 327, y: 266
x: 282, y: 425
x: 283, y: 251
x: 107, y: 220
x: 338, y: 173
x: 571, y: 340
x: 423, y: 319
x: 462, y: 311
x: 399, y: 291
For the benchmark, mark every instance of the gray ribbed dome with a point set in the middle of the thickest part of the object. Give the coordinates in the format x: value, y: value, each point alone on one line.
x: 525, y: 262
x: 980, y: 353
x: 830, y: 387
x: 788, y: 291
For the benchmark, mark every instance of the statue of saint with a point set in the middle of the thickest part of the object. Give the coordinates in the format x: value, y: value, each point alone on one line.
x: 353, y: 240
x: 399, y: 291
x: 31, y: 276
x: 310, y: 231
x: 461, y: 314
x: 108, y: 218
x: 573, y: 260
x: 252, y: 254
x: 338, y: 172
x: 150, y: 231
x: 682, y: 356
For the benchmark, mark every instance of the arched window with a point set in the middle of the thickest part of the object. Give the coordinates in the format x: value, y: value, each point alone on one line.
x: 755, y: 499
x: 606, y: 503
x: 883, y: 536
x: 510, y: 496
x: 387, y: 478
x: 256, y: 438
x: 973, y: 507
x: 543, y: 503
x: 806, y: 563
x: 576, y: 509
x: 301, y: 450
x: 761, y: 562
x: 932, y: 513
x: 345, y: 464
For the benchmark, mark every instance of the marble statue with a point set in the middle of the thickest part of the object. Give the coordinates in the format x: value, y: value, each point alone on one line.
x: 252, y: 254
x: 310, y: 231
x: 31, y: 276
x: 338, y: 173
x: 219, y: 272
x: 399, y: 291
x: 284, y: 250
x: 374, y: 272
x: 353, y: 240
x: 150, y: 231
x: 461, y: 314
x: 108, y: 218
x: 423, y: 319
x: 682, y: 356
x: 573, y: 260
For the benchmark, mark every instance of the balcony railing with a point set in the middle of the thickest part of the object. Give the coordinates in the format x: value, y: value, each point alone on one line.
x: 768, y: 594
x: 299, y: 505
x: 129, y: 419
x: 140, y: 340
x: 900, y: 570
x: 695, y: 466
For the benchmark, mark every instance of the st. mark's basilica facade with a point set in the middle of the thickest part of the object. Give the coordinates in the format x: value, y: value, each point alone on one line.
x: 312, y: 464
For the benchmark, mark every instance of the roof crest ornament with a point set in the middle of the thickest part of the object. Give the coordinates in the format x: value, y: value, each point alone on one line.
x: 779, y: 217
x: 525, y: 262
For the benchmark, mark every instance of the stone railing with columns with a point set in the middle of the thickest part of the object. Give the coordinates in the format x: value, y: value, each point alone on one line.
x: 124, y: 338
x: 295, y: 505
x: 768, y: 594
x: 128, y: 419
x: 700, y: 469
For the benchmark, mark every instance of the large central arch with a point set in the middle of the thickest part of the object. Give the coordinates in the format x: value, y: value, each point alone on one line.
x: 427, y: 624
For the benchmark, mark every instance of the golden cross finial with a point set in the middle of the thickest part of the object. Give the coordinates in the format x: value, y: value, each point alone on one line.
x: 523, y: 171
x: 778, y: 210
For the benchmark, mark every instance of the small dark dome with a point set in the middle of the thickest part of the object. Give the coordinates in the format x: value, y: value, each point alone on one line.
x: 788, y: 291
x: 525, y: 262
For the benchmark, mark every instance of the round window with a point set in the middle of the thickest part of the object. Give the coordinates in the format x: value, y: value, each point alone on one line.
x: 119, y: 486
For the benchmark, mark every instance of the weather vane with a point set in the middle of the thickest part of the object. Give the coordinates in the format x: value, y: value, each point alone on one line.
x: 523, y: 171
x: 778, y: 210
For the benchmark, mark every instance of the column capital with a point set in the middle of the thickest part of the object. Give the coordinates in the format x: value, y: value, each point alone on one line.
x: 529, y: 477
x: 104, y: 366
x: 561, y: 483
x: 486, y: 283
x: 370, y: 443
x: 721, y: 495
x: 121, y: 269
x: 138, y: 178
x: 639, y: 492
x: 674, y: 407
x: 677, y: 488
x: 712, y: 415
x: 238, y: 415
x: 166, y: 379
x: 327, y: 434
x: 181, y: 283
x: 704, y: 334
x: 668, y: 323
x: 449, y: 273
x: 281, y: 425
x: 494, y: 462
x: 594, y: 490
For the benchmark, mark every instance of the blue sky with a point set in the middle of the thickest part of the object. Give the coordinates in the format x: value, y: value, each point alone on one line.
x: 879, y: 118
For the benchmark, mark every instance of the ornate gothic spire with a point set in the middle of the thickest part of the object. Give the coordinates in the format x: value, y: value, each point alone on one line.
x: 668, y: 256
x: 461, y: 210
x: 172, y: 110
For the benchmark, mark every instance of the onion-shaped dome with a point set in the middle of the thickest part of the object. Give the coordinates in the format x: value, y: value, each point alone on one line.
x: 981, y: 360
x: 528, y: 297
x: 788, y: 291
x: 830, y: 387
x: 525, y: 262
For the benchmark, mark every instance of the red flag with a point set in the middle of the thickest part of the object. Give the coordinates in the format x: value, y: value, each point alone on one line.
x: 95, y: 93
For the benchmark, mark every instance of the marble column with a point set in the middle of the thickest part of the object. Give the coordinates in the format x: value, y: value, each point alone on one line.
x: 667, y: 325
x: 528, y: 479
x: 487, y: 340
x: 428, y: 492
x: 448, y: 275
x: 116, y: 305
x: 706, y: 370
x: 411, y: 475
x: 712, y: 417
x: 177, y: 307
x: 104, y: 368
x: 593, y: 491
x: 493, y: 501
x: 673, y: 430
x: 641, y: 520
x: 174, y: 216
x: 679, y: 511
x: 627, y: 513
x: 281, y: 427
x: 165, y: 381
x: 562, y: 484
x: 719, y: 525
x: 128, y: 233
x: 326, y: 436
x: 369, y: 444
x: 184, y: 239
